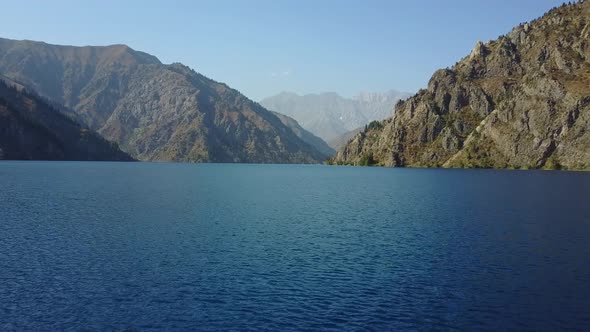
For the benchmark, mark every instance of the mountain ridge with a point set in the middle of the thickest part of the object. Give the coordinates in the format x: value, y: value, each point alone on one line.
x: 154, y: 111
x: 31, y: 129
x: 306, y: 136
x: 520, y: 101
x: 329, y: 115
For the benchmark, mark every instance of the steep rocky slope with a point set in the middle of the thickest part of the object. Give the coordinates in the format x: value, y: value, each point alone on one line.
x: 31, y: 129
x: 329, y: 115
x: 520, y: 101
x: 154, y: 111
x: 339, y: 142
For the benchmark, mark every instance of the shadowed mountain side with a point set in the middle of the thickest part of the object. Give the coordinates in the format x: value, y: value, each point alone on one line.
x: 31, y: 129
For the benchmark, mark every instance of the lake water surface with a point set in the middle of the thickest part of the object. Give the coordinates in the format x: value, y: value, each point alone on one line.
x: 149, y: 246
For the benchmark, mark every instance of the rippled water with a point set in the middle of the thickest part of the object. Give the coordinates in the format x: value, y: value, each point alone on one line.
x: 140, y: 246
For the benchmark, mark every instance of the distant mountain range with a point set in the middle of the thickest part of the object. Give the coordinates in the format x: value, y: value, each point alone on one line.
x: 152, y: 110
x: 305, y: 135
x: 33, y: 129
x: 521, y: 101
x: 331, y: 116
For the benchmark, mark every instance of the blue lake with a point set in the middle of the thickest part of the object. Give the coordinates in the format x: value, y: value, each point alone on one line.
x: 157, y: 246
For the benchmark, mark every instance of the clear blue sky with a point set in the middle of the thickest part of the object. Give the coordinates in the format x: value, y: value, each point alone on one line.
x: 262, y: 47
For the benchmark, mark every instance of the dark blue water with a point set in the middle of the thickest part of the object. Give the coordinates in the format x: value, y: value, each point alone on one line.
x: 138, y: 246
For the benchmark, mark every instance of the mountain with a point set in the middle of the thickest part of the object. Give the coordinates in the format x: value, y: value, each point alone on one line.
x: 306, y: 136
x: 152, y: 110
x: 376, y: 106
x: 329, y: 115
x: 521, y: 101
x: 32, y: 129
x: 340, y: 141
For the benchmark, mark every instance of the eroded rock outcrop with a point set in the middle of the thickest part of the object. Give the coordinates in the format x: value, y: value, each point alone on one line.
x: 520, y: 101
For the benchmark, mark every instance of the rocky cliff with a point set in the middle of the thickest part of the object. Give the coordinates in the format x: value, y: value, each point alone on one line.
x: 31, y: 129
x: 520, y: 101
x: 154, y: 111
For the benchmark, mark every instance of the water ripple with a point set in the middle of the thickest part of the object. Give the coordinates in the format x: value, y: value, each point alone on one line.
x: 132, y: 246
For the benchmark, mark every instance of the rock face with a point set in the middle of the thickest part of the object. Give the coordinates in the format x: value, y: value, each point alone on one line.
x: 31, y: 129
x: 330, y: 116
x: 154, y: 111
x: 340, y: 141
x: 520, y: 101
x: 306, y: 136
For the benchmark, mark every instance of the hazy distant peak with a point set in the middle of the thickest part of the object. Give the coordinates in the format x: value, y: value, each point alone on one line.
x: 368, y: 96
x: 329, y: 115
x: 329, y: 94
x: 288, y: 94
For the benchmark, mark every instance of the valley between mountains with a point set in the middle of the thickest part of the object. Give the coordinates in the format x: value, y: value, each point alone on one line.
x: 520, y: 101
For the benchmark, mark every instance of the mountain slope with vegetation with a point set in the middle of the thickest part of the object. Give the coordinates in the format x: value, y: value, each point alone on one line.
x: 152, y: 110
x: 32, y: 129
x: 521, y: 101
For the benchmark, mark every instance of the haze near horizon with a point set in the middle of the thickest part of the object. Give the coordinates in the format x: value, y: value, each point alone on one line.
x: 263, y: 47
